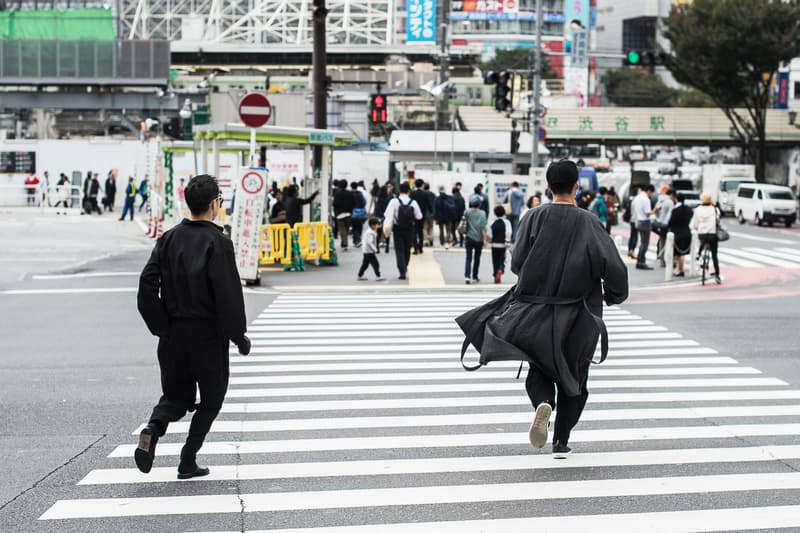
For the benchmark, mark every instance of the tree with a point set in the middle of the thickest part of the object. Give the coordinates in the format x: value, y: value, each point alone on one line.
x: 636, y: 88
x: 692, y: 98
x: 730, y: 50
x: 516, y: 59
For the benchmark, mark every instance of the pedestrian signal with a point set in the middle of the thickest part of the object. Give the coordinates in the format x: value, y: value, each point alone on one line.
x: 377, y: 109
x: 503, y: 91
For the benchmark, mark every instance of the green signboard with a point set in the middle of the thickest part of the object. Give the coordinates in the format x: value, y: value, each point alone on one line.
x: 322, y: 137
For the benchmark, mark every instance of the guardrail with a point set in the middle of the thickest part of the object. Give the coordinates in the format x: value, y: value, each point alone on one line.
x: 56, y: 197
x: 313, y: 243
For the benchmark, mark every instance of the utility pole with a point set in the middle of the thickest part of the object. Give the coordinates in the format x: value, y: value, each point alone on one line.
x: 537, y: 87
x: 319, y: 75
x: 319, y: 83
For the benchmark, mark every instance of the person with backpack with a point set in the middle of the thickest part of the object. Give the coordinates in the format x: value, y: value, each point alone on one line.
x: 444, y: 212
x: 401, y: 216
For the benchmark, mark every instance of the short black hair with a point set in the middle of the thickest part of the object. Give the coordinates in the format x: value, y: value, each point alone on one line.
x: 354, y: 185
x: 499, y: 211
x: 651, y: 188
x: 602, y: 190
x: 681, y: 197
x: 404, y: 188
x: 200, y: 192
x: 562, y: 176
x: 515, y: 184
x: 374, y: 221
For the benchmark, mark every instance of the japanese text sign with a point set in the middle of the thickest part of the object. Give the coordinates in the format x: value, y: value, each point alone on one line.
x: 251, y: 191
x: 421, y: 21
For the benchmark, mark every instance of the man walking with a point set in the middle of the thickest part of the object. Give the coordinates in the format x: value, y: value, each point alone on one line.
x: 144, y: 191
x: 190, y: 297
x: 461, y: 207
x: 574, y: 264
x: 343, y: 203
x: 516, y: 198
x: 110, y: 190
x: 444, y: 211
x: 130, y: 200
x: 421, y: 199
x: 401, y: 216
x: 642, y: 210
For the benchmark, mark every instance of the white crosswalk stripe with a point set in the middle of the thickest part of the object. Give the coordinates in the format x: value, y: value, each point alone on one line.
x: 746, y: 256
x: 338, y: 414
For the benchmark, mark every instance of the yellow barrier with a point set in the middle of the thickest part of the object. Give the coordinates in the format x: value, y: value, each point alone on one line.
x: 276, y: 244
x: 313, y: 239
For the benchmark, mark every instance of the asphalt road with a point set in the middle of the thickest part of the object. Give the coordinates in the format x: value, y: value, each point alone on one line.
x: 79, y: 375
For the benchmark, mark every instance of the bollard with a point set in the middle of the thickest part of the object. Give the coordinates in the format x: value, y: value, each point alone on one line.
x: 669, y: 255
x: 693, y: 250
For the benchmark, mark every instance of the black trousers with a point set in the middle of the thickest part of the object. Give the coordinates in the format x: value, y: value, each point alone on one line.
x: 403, y: 239
x: 193, y: 357
x: 419, y: 236
x: 542, y: 389
x: 370, y: 260
x: 498, y: 259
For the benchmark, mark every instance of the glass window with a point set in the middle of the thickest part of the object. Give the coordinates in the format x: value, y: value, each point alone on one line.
x: 780, y: 195
x: 745, y: 192
x: 760, y: 196
x: 730, y: 186
x: 797, y: 90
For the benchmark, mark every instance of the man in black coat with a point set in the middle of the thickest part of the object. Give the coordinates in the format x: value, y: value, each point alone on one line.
x: 567, y: 265
x: 294, y: 204
x: 110, y: 190
x: 423, y: 201
x: 190, y: 296
x: 461, y: 208
x: 343, y: 204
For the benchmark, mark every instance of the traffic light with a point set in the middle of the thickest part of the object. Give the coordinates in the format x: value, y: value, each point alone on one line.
x: 514, y: 141
x: 377, y: 109
x: 503, y: 91
x: 644, y: 58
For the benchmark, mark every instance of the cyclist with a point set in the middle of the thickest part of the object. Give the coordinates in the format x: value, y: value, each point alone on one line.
x: 705, y: 221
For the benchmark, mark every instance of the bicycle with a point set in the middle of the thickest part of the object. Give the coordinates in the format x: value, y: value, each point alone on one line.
x: 705, y: 255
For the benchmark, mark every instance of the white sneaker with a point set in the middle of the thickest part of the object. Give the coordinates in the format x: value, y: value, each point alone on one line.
x: 538, y: 430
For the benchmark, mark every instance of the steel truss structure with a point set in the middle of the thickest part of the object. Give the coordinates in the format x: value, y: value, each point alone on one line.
x: 239, y: 25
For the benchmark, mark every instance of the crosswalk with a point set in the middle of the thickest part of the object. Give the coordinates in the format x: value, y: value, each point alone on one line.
x: 353, y: 415
x: 746, y: 256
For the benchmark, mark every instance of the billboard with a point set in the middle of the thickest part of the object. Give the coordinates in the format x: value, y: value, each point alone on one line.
x: 421, y: 21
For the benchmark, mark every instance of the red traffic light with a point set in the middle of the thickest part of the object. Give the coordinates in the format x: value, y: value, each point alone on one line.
x: 377, y: 109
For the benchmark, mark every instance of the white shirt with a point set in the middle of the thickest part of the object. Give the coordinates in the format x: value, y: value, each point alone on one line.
x: 391, y: 209
x: 705, y: 219
x: 641, y: 207
x: 664, y: 214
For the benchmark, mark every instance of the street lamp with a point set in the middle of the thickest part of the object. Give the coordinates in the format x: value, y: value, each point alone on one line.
x: 437, y: 91
x: 187, y: 113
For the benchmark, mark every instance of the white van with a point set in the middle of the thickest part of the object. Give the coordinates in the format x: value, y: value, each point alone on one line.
x: 758, y: 202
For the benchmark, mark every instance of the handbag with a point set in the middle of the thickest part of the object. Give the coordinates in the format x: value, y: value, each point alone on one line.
x: 462, y: 227
x: 722, y: 233
x: 360, y: 213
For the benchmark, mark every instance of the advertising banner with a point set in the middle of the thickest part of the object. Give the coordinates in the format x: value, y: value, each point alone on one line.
x: 251, y: 190
x: 421, y: 21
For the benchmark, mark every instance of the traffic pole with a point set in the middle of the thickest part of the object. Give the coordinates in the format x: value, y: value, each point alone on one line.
x: 537, y: 87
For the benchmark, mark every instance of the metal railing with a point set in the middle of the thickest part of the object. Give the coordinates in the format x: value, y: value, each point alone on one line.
x: 32, y: 61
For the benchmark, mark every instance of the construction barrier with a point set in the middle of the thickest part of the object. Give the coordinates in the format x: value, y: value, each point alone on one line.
x: 276, y: 244
x: 313, y: 240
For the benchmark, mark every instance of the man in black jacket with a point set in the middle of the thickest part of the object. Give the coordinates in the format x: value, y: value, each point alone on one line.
x: 294, y: 204
x: 343, y: 204
x: 574, y: 267
x: 190, y: 297
x: 422, y: 199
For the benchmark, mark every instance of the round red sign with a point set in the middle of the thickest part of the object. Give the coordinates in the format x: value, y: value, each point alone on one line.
x: 254, y: 110
x: 252, y: 183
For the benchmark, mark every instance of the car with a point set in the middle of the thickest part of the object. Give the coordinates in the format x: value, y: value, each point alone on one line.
x: 759, y: 203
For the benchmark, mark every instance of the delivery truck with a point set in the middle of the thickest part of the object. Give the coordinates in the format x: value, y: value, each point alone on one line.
x: 722, y: 182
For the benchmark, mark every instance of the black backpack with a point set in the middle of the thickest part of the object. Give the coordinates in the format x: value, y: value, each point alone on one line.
x: 405, y: 215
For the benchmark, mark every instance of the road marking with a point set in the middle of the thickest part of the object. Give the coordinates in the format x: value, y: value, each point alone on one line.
x: 762, y: 258
x: 737, y: 261
x: 793, y: 251
x: 434, y: 340
x: 85, y: 275
x: 422, y: 347
x: 394, y: 442
x: 739, y: 519
x: 266, y: 332
x: 115, y: 476
x: 379, y: 497
x: 449, y: 356
x: 96, y: 290
x: 773, y: 253
x: 763, y: 239
x: 474, y: 419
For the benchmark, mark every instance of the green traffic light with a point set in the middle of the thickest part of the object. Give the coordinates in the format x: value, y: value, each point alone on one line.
x: 634, y: 58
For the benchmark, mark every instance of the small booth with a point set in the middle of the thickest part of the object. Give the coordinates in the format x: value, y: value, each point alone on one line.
x: 225, y: 151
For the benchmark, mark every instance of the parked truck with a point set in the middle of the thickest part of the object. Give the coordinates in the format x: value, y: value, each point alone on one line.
x: 722, y: 181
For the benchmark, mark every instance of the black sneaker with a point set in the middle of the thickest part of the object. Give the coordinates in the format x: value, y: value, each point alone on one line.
x: 560, y: 451
x: 145, y: 451
x: 644, y: 267
x: 188, y: 472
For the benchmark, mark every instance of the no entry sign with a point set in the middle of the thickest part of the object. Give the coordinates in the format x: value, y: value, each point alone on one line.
x: 254, y: 110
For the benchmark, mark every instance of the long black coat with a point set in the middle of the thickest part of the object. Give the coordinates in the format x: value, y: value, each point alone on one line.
x: 567, y: 266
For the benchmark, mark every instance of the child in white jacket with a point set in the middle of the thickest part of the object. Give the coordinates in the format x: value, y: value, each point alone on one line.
x: 369, y: 245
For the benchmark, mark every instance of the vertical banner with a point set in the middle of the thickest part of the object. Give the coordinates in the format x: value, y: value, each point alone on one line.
x: 251, y: 191
x: 782, y: 96
x: 421, y: 21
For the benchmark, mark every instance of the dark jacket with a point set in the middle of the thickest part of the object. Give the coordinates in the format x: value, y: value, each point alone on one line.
x: 567, y: 266
x: 382, y: 204
x: 94, y: 188
x: 424, y: 202
x: 192, y: 274
x: 111, y: 188
x: 444, y: 209
x: 294, y: 207
x: 343, y: 201
x: 461, y: 204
